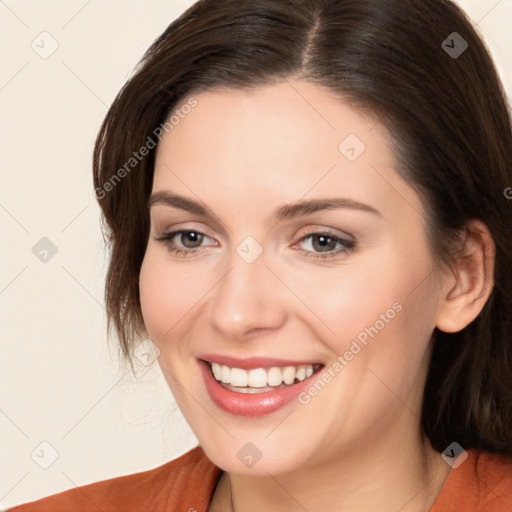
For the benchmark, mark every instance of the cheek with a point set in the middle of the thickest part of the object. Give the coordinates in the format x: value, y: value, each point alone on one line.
x: 381, y: 307
x: 172, y: 297
x: 382, y: 322
x: 166, y: 295
x: 344, y: 301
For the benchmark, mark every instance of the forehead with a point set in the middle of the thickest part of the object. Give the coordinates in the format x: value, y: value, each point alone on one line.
x: 285, y: 141
x: 287, y: 120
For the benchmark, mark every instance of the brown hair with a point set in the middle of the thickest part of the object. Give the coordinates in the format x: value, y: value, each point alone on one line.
x: 446, y: 113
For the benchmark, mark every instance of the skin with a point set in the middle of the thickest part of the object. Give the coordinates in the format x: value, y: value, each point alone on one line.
x: 357, y: 444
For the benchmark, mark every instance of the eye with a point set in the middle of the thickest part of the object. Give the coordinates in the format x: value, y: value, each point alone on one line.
x: 314, y: 245
x: 183, y: 242
x: 325, y: 245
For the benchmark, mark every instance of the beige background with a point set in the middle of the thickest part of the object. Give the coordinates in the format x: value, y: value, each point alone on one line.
x: 60, y: 382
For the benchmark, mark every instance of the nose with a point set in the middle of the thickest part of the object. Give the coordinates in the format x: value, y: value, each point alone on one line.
x: 246, y: 301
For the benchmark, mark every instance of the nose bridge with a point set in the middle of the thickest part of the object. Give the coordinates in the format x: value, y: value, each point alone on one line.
x: 245, y: 299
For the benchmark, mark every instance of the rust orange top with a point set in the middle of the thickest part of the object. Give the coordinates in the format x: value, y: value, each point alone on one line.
x: 482, y: 483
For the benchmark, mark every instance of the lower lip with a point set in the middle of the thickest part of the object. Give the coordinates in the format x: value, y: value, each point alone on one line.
x: 244, y: 404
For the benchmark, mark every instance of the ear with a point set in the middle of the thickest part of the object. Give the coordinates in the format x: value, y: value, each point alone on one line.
x: 472, y: 281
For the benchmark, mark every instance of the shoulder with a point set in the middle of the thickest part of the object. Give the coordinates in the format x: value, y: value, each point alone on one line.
x: 185, y: 483
x: 495, y: 472
x: 482, y: 483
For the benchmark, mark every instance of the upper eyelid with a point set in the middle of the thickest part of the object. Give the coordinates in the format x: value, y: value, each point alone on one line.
x: 181, y: 231
x: 317, y: 228
x: 328, y: 230
x: 311, y: 231
x: 158, y: 210
x: 171, y: 233
x: 348, y: 245
x: 178, y: 228
x: 219, y: 227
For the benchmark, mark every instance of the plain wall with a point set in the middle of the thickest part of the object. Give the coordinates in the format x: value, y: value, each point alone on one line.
x: 60, y: 380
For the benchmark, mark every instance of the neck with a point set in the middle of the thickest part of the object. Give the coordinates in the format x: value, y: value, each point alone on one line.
x: 406, y: 476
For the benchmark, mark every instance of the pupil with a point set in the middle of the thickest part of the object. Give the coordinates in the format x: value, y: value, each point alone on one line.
x: 191, y: 238
x: 324, y: 241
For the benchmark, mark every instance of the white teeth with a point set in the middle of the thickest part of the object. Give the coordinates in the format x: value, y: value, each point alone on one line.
x: 239, y: 377
x: 225, y: 375
x: 257, y: 378
x: 217, y: 371
x: 288, y: 374
x: 274, y: 376
x: 261, y: 377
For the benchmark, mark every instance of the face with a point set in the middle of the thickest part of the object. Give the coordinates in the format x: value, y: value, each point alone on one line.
x: 283, y: 242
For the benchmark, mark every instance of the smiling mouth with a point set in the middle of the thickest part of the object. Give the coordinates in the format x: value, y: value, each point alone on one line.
x: 261, y: 380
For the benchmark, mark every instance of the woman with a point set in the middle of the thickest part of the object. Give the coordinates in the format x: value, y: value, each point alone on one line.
x: 306, y: 203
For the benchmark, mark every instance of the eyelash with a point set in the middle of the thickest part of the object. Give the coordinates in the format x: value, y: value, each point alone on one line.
x: 347, y: 245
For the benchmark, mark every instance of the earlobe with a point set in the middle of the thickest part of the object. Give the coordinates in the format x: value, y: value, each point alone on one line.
x: 474, y: 280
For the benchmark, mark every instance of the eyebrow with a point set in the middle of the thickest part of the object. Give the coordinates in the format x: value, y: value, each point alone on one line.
x: 287, y: 211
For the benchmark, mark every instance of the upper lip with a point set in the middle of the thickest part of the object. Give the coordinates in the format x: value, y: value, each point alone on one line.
x: 250, y: 363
